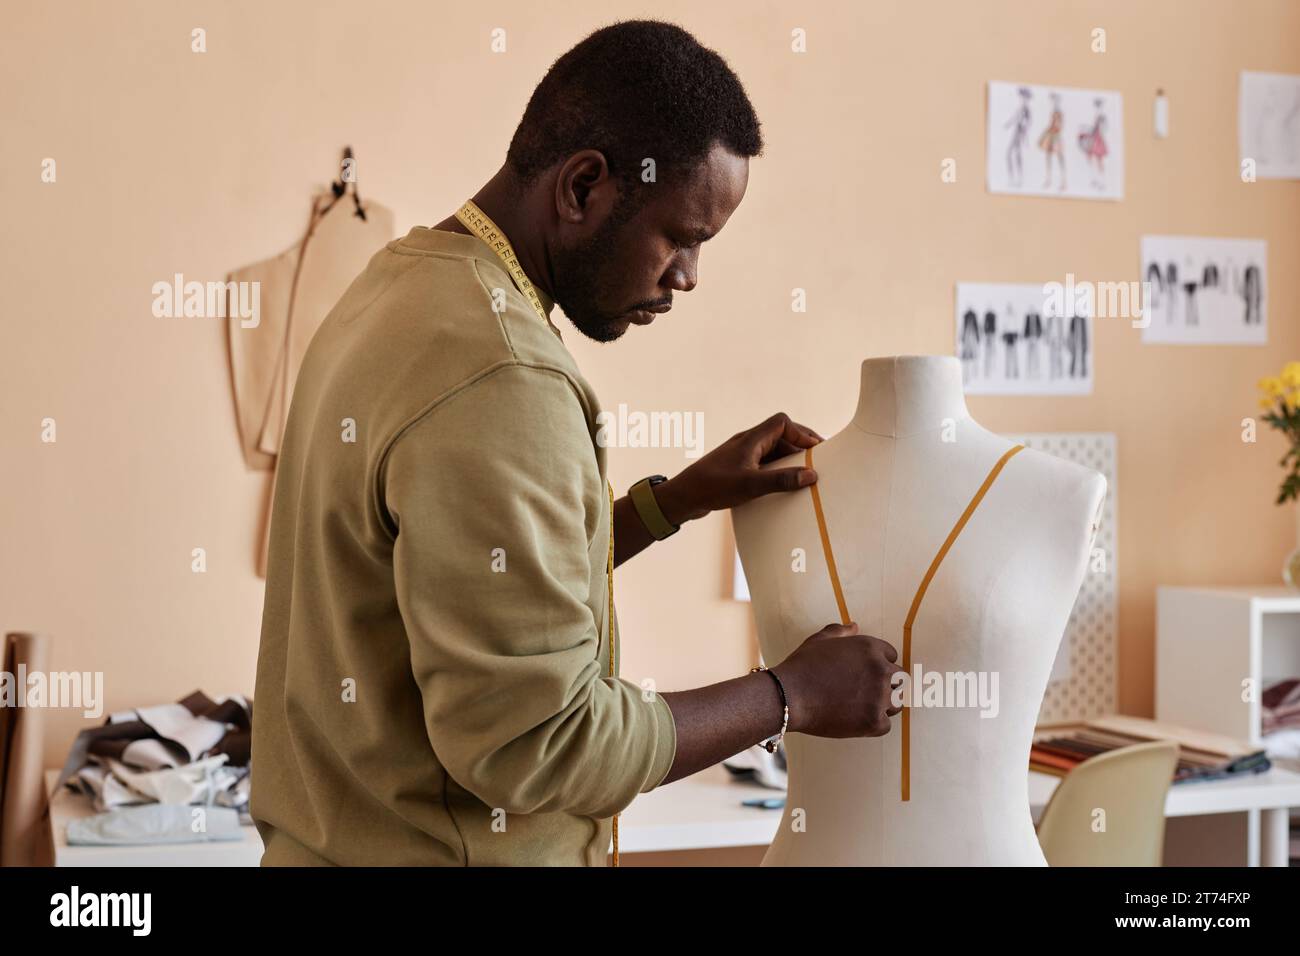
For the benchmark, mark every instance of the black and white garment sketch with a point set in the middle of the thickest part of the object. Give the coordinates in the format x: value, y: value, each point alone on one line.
x: 1268, y: 123
x: 1019, y: 339
x: 1055, y: 141
x: 1201, y: 290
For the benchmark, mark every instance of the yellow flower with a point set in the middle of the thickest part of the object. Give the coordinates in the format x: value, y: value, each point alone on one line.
x: 1293, y: 401
x: 1272, y: 386
x: 1291, y: 374
x: 1266, y: 403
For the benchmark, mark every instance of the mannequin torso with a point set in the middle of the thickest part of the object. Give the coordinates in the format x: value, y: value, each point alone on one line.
x: 892, y: 486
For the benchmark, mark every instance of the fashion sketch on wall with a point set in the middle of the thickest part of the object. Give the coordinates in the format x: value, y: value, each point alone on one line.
x: 1055, y: 141
x: 1019, y: 339
x: 1268, y: 123
x: 1205, y: 291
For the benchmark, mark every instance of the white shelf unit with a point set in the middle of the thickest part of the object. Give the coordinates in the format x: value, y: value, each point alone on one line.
x: 1210, y: 641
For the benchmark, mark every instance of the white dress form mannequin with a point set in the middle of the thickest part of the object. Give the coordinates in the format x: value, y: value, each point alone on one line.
x: 892, y: 486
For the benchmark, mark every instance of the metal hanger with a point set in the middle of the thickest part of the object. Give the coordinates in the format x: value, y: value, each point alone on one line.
x: 339, y: 187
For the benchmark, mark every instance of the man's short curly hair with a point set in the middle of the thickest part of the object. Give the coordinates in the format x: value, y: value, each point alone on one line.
x: 635, y: 90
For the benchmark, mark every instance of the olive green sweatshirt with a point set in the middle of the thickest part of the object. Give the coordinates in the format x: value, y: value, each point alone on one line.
x: 433, y: 682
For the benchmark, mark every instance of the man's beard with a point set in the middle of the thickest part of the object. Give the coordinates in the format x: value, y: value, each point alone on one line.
x: 580, y: 274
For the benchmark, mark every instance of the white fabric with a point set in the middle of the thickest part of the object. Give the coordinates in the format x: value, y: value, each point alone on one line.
x: 148, y: 754
x: 154, y: 823
x: 1283, y: 744
x: 174, y: 722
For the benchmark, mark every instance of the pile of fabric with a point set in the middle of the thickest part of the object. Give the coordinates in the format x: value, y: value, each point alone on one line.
x: 1280, y: 719
x: 143, y: 767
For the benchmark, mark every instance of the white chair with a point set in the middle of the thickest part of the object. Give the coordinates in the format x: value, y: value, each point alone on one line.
x: 1110, y: 809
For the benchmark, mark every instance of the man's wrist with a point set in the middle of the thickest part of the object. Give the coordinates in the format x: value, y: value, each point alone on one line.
x: 674, y: 501
x: 774, y: 707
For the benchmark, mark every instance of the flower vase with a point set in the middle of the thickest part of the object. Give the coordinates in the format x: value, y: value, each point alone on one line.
x: 1291, y: 567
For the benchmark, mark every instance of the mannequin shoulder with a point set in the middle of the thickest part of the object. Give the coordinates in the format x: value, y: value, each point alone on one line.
x: 1048, y: 472
x: 1066, y: 497
x: 1041, y: 480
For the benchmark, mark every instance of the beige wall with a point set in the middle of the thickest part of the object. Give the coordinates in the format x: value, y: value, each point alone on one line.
x: 170, y: 161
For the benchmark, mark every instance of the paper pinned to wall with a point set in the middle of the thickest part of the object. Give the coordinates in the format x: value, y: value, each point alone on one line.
x: 1205, y: 290
x: 1268, y: 124
x: 1023, y: 339
x: 1055, y: 141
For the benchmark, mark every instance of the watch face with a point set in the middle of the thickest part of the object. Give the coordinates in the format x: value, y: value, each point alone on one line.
x: 656, y: 479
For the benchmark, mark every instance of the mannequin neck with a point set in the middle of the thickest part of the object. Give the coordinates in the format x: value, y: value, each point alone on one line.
x: 906, y: 394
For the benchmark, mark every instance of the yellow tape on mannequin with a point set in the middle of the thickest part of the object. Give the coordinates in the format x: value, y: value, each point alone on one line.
x: 905, y: 782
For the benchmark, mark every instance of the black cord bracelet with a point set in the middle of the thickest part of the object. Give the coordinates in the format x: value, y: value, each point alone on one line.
x: 772, y: 743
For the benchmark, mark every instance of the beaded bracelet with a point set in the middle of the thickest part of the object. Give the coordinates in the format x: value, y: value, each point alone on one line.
x: 772, y: 743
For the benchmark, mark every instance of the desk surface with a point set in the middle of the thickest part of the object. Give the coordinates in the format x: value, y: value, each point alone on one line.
x: 700, y: 812
x: 705, y: 811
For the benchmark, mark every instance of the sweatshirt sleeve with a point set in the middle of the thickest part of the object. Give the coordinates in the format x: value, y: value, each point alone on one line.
x: 497, y: 497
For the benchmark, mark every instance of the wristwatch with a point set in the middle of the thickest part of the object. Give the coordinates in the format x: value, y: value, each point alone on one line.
x: 648, y: 510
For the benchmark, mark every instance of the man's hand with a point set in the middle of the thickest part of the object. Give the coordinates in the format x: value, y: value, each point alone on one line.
x: 838, y: 683
x: 731, y: 474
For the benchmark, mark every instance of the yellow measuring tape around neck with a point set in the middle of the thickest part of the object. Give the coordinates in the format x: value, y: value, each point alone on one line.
x: 609, y: 614
x: 477, y: 222
x: 905, y: 771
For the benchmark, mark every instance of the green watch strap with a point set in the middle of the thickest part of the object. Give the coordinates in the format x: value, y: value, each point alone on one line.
x: 647, y: 508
